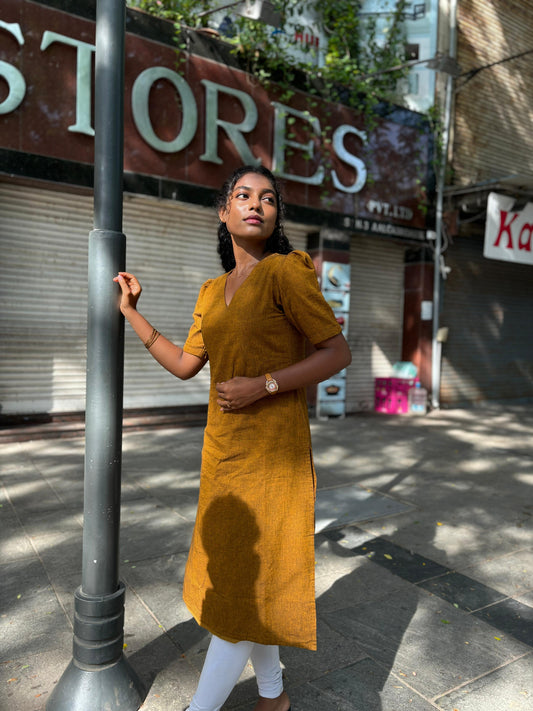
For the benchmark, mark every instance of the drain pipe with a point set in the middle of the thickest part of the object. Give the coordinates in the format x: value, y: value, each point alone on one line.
x: 436, y: 345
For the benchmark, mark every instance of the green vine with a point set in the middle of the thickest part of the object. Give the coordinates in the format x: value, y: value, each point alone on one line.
x: 353, y: 49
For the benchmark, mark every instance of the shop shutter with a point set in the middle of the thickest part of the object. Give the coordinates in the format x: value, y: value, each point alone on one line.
x: 43, y: 305
x: 43, y: 293
x: 298, y: 234
x: 376, y: 316
x: 489, y: 351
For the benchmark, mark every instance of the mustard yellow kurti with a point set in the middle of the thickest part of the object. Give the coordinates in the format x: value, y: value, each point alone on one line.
x: 250, y: 571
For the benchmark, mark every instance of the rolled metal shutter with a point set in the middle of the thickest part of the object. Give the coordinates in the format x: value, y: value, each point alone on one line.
x: 487, y: 306
x: 376, y: 316
x: 43, y: 295
x: 43, y: 283
x: 172, y: 249
x: 298, y: 234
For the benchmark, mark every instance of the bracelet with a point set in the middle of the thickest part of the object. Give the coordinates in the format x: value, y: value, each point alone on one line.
x: 153, y: 338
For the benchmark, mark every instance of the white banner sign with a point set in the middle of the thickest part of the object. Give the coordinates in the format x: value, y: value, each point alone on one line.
x: 508, y: 234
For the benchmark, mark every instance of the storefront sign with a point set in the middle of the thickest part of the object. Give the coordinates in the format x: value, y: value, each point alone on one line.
x: 508, y: 234
x: 190, y: 119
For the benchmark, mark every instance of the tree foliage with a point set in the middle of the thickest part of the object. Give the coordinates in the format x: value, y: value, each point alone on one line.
x: 355, y: 46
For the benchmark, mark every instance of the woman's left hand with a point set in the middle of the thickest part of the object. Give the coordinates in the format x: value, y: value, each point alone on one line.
x: 240, y: 392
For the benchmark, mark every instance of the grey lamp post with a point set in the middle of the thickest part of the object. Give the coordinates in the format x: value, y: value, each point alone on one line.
x: 99, y: 676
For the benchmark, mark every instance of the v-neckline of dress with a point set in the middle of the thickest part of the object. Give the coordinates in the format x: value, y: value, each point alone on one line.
x: 243, y: 282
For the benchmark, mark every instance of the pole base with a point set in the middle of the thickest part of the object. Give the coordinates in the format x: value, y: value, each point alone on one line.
x: 113, y: 688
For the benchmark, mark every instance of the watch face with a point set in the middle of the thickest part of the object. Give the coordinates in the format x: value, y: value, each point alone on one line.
x: 272, y: 386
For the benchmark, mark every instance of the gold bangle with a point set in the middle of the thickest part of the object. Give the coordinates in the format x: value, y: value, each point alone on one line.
x: 153, y: 338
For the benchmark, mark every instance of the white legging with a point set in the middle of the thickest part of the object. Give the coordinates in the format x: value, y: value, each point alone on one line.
x: 223, y: 666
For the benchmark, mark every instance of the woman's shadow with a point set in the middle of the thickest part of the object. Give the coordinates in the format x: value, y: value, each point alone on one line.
x: 229, y: 538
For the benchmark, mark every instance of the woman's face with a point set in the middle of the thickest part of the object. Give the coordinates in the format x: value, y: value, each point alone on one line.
x: 252, y: 208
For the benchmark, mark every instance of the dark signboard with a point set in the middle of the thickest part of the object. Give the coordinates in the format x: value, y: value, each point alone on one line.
x: 191, y: 119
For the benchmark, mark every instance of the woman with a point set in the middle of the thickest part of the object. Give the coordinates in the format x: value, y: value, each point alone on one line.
x: 250, y: 573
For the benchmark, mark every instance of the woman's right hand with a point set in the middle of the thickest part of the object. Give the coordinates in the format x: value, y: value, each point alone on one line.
x: 131, y: 290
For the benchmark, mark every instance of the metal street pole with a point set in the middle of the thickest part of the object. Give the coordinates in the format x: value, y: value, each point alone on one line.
x: 436, y: 346
x: 99, y: 676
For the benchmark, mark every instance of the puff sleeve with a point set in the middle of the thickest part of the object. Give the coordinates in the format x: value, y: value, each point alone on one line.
x: 195, y: 342
x: 298, y: 295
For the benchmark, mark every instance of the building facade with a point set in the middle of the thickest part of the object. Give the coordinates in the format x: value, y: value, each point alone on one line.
x: 191, y: 117
x: 488, y: 292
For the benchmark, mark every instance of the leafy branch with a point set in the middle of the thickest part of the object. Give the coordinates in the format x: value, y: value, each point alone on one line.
x: 354, y: 46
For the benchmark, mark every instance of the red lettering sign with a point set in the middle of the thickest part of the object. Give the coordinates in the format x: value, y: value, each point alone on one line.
x: 505, y: 228
x: 508, y: 233
x: 527, y: 229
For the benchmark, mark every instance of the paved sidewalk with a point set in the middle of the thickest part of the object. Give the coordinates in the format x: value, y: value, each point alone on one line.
x: 424, y: 554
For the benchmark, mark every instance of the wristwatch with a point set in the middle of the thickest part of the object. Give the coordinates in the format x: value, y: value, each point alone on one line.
x: 271, y: 385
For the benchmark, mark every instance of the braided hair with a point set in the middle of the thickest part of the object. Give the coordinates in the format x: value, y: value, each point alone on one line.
x: 277, y: 242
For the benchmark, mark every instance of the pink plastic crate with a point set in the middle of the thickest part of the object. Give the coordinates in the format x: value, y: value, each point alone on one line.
x: 390, y: 395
